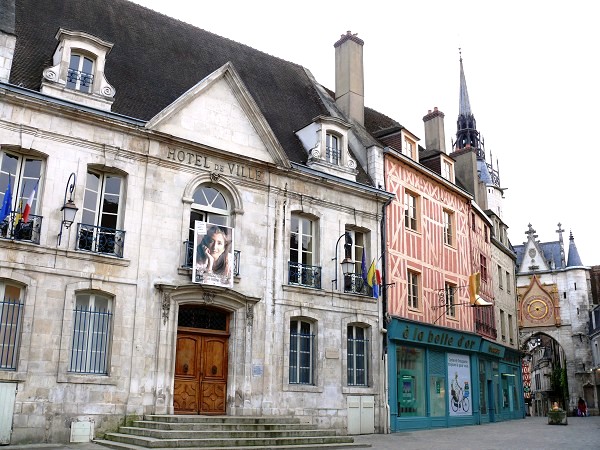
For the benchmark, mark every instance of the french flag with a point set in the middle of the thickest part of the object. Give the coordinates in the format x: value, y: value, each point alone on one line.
x: 29, y: 203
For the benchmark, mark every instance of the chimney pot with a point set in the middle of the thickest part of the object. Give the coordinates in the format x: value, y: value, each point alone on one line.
x: 435, y: 108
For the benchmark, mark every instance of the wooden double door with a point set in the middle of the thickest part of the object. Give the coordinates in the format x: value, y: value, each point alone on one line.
x: 200, y: 372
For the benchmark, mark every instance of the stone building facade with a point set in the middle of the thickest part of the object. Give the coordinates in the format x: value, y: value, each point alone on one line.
x: 120, y: 314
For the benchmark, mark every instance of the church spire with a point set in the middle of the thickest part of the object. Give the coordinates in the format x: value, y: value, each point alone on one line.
x: 464, y: 107
x: 574, y: 259
x: 467, y: 136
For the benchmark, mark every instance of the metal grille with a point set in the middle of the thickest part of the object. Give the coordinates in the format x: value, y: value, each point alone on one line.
x: 100, y: 240
x: 301, y: 354
x: 196, y: 317
x: 13, y: 227
x: 89, y: 349
x: 85, y: 79
x: 11, y: 312
x: 304, y: 275
x: 355, y: 284
x: 437, y: 363
x: 358, y: 350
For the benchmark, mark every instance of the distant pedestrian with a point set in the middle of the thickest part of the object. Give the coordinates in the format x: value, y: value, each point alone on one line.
x: 581, y: 408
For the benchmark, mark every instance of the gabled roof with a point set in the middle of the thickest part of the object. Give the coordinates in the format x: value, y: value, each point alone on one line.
x: 550, y: 251
x: 155, y: 59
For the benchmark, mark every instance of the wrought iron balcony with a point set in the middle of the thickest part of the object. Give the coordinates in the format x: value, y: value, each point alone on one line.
x: 486, y: 329
x: 101, y: 240
x: 355, y: 284
x: 188, y: 258
x: 14, y: 228
x: 304, y: 275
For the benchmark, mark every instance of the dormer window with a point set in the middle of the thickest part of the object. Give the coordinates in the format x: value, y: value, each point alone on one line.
x: 80, y: 75
x: 408, y: 148
x: 332, y: 153
x: 77, y: 71
x: 326, y: 143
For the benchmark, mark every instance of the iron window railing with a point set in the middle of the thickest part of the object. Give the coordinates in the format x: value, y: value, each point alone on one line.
x: 11, y: 313
x: 100, y: 239
x: 14, y: 228
x: 301, y: 358
x: 188, y: 258
x: 89, y: 349
x: 485, y: 328
x: 85, y: 79
x: 355, y: 284
x: 304, y: 275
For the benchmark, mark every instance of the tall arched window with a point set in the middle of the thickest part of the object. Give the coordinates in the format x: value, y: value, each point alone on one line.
x: 209, y: 205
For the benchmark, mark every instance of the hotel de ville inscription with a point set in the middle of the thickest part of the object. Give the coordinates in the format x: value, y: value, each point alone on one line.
x: 201, y: 161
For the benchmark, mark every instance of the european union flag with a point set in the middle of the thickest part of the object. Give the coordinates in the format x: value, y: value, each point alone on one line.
x: 6, y: 203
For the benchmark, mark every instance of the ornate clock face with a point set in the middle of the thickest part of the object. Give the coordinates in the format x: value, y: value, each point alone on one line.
x: 537, y: 309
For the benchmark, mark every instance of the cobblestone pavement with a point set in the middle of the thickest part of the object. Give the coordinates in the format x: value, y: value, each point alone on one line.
x: 531, y: 433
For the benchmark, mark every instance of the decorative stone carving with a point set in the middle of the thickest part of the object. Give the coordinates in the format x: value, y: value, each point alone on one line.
x: 208, y: 298
x: 214, y: 177
x: 249, y: 314
x: 166, y: 306
x: 351, y: 163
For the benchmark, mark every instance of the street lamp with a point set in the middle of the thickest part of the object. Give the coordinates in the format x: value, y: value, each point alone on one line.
x: 68, y: 209
x: 347, y: 263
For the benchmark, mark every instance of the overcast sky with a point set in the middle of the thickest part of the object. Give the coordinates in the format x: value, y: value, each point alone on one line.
x: 532, y: 70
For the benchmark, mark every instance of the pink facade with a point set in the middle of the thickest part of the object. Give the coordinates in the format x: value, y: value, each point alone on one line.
x: 423, y: 253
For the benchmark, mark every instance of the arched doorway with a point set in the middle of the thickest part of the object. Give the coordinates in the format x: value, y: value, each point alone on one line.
x: 544, y: 374
x: 201, y: 360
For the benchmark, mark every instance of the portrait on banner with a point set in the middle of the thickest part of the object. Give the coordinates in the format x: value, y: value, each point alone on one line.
x: 213, y: 254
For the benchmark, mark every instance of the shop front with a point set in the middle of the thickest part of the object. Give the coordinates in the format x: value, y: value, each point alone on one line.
x: 439, y: 377
x: 432, y: 376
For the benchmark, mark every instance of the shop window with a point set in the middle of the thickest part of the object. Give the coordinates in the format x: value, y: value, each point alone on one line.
x: 482, y: 388
x: 410, y: 381
x: 91, y: 334
x: 302, y: 270
x: 102, y: 214
x: 358, y: 356
x: 302, y: 351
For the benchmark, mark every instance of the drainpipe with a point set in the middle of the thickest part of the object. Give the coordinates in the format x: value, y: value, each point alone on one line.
x: 384, y: 313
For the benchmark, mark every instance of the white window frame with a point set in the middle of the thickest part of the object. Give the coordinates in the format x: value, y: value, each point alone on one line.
x: 300, y: 233
x: 413, y: 289
x: 411, y: 211
x: 10, y: 332
x: 448, y: 227
x: 500, y: 273
x: 78, y: 69
x: 21, y: 184
x: 354, y: 358
x: 204, y: 207
x: 332, y: 148
x: 295, y: 357
x: 408, y: 147
x: 92, y: 358
x: 101, y: 197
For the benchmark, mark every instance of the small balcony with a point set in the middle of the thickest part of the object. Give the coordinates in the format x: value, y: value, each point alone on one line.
x: 485, y: 329
x: 15, y: 229
x: 101, y: 240
x: 188, y: 258
x: 354, y: 284
x: 304, y: 275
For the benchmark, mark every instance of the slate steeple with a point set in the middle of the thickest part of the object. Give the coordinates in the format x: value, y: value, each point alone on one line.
x: 574, y: 259
x: 466, y: 126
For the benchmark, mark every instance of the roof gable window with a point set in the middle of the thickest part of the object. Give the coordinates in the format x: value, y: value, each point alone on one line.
x: 326, y: 142
x: 77, y: 71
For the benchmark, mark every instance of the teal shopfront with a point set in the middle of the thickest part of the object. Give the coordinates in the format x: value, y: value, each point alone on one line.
x: 439, y: 377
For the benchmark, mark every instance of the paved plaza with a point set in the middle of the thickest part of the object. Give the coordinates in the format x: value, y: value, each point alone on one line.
x: 529, y: 433
x: 532, y: 433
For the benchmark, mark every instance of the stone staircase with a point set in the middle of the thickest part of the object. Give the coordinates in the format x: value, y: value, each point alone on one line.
x: 168, y: 432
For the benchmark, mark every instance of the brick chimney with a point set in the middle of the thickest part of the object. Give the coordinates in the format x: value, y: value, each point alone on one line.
x: 349, y: 77
x: 435, y: 138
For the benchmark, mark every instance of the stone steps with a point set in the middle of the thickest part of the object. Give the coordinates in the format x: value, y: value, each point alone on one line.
x: 223, y: 432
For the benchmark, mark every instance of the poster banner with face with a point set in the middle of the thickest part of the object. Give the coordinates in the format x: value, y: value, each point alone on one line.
x: 459, y: 380
x: 213, y: 254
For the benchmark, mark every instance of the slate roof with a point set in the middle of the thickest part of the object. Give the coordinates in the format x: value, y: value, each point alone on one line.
x: 551, y: 251
x: 156, y: 58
